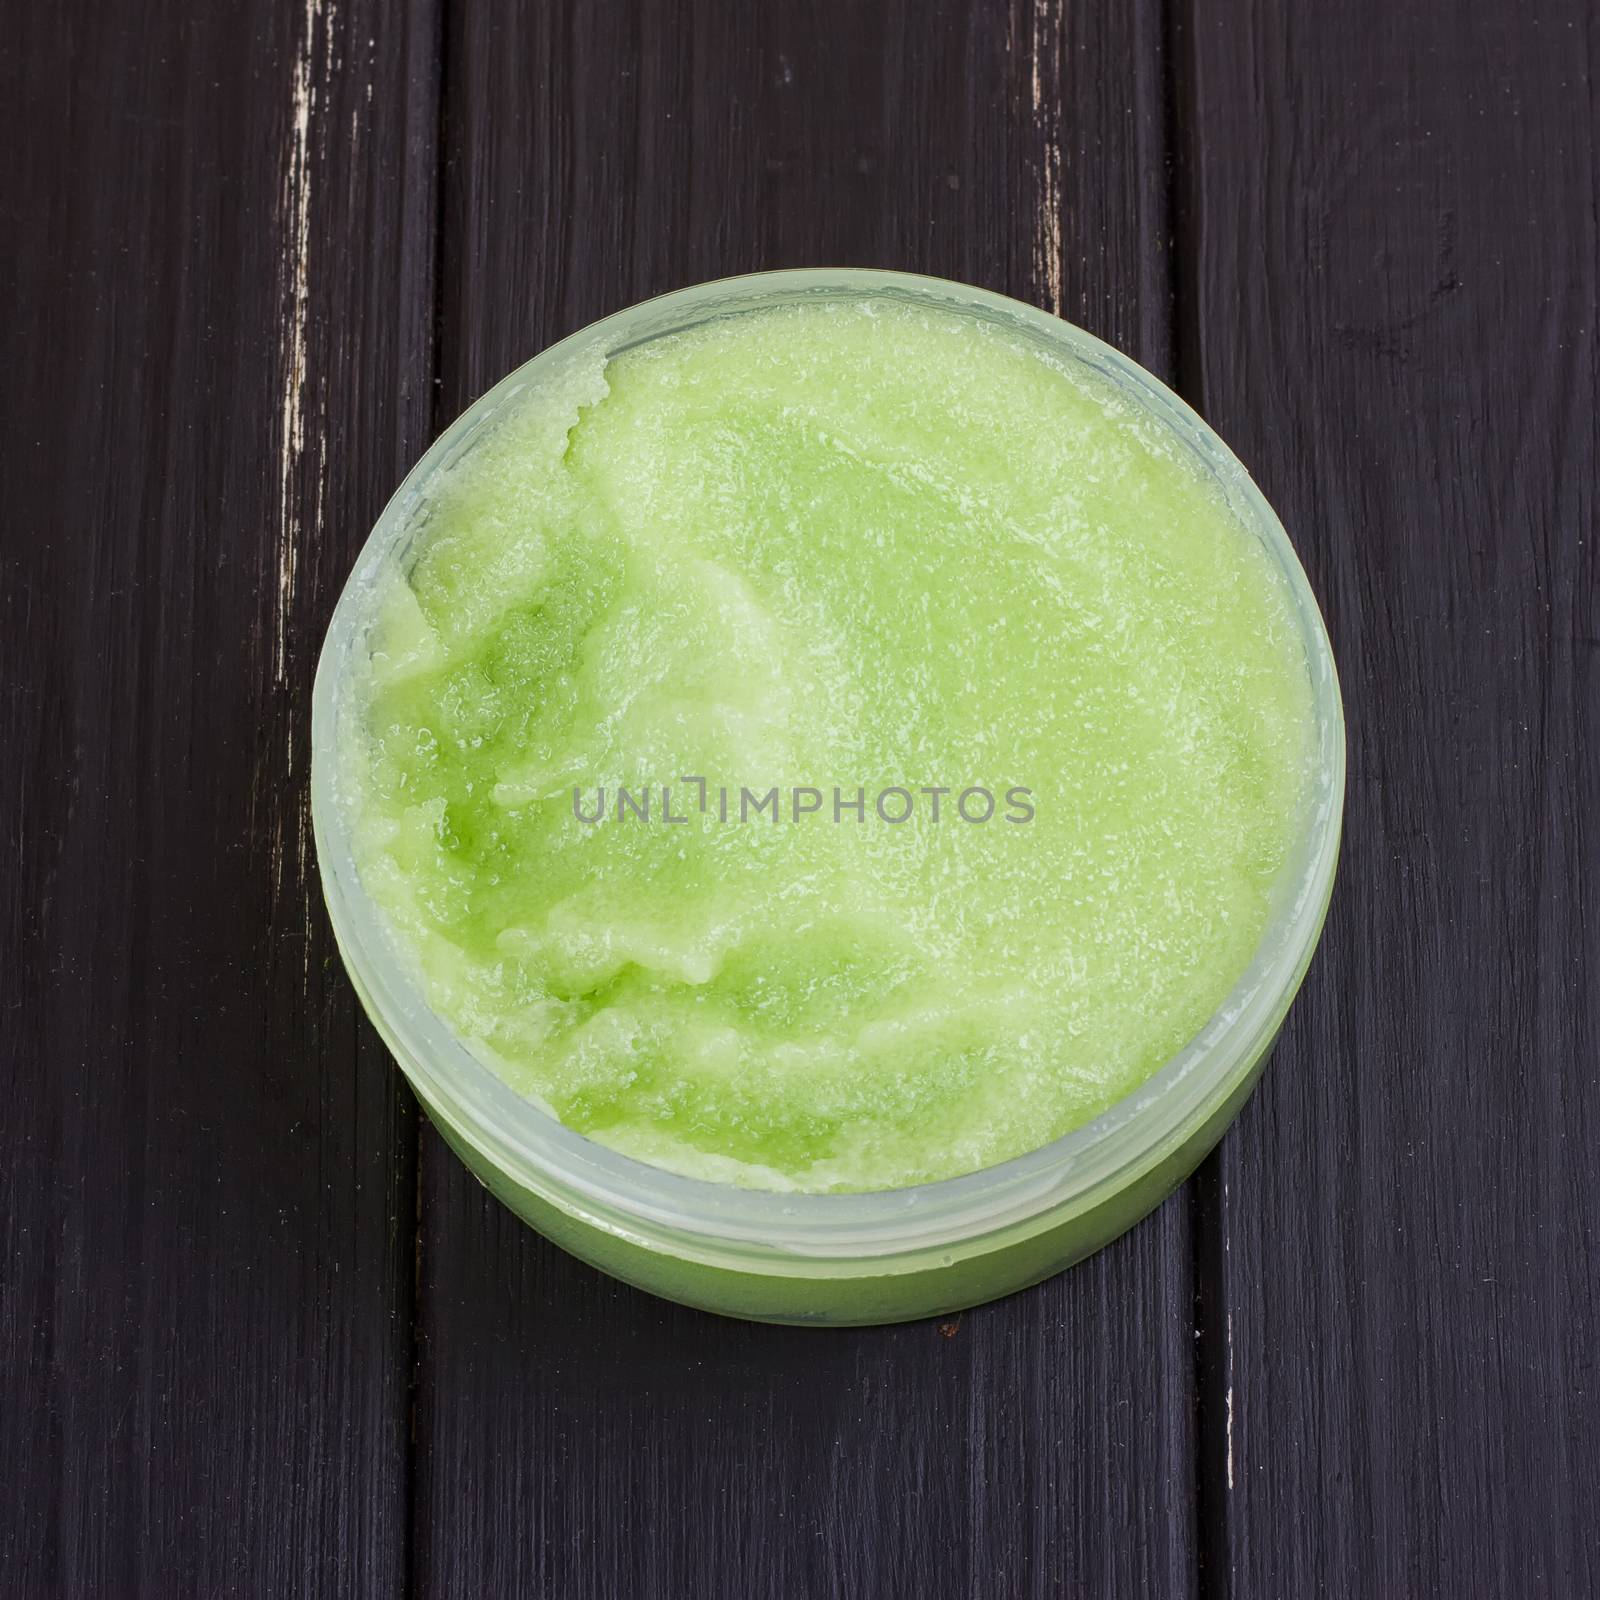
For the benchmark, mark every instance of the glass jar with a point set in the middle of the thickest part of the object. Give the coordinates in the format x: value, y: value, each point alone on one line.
x: 829, y: 1258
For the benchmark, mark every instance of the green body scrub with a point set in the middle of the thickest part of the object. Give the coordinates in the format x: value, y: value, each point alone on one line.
x: 880, y: 558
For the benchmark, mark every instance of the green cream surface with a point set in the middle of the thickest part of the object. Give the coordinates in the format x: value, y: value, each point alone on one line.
x: 853, y: 545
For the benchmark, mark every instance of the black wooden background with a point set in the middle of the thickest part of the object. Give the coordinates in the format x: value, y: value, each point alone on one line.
x: 259, y: 1334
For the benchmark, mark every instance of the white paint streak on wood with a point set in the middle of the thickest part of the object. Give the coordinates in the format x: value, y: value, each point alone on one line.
x: 295, y: 225
x: 1044, y: 87
x: 1229, y: 1337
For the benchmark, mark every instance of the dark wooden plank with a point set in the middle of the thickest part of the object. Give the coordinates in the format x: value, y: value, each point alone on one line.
x: 1392, y: 209
x: 217, y: 260
x: 575, y: 1437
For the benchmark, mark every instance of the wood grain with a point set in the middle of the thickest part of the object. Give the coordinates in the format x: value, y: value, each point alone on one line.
x: 1391, y: 227
x: 574, y: 1437
x: 218, y: 228
x: 252, y: 257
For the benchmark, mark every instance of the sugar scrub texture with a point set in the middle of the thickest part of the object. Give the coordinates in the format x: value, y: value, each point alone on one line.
x: 857, y: 545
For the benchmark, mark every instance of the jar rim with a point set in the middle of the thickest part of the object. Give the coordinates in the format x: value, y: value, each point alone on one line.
x: 633, y: 1198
